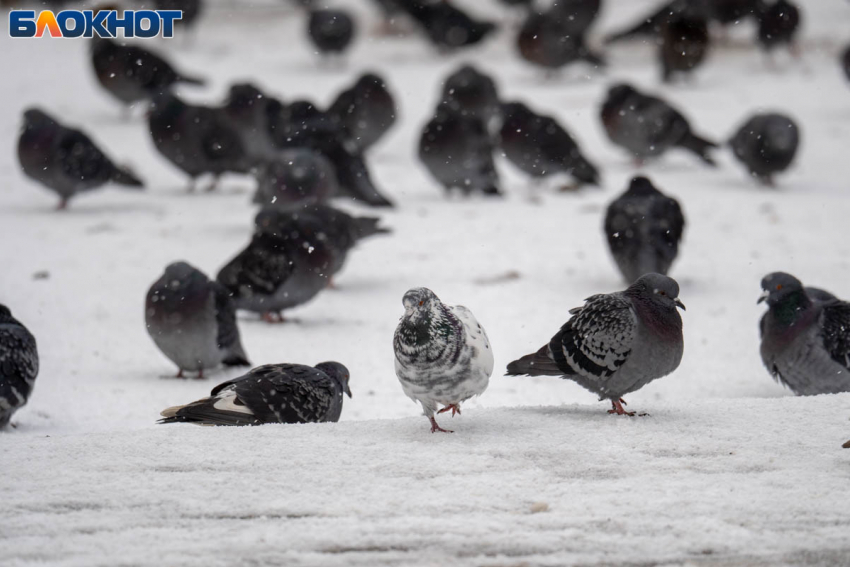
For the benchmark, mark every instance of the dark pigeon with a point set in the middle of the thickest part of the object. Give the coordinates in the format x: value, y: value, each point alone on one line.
x: 651, y: 25
x: 331, y: 31
x: 447, y: 26
x: 473, y: 93
x: 18, y: 365
x: 778, y: 25
x: 684, y: 45
x: 554, y: 38
x: 766, y: 144
x: 364, y: 112
x: 248, y: 111
x: 298, y: 175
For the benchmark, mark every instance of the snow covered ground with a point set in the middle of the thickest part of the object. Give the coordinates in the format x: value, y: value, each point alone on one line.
x: 729, y: 468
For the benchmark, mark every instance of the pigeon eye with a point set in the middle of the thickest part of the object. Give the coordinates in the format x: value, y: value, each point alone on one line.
x: 421, y: 302
x: 778, y: 287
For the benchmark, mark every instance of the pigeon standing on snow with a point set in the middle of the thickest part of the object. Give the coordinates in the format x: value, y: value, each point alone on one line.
x: 647, y: 126
x: 18, y: 365
x: 684, y: 45
x: 193, y: 320
x: 644, y: 227
x: 298, y: 175
x: 805, y: 343
x: 766, y: 144
x: 331, y: 31
x: 778, y: 25
x: 539, y: 146
x: 442, y: 354
x: 616, y: 343
x: 247, y: 110
x: 65, y: 160
x: 473, y: 93
x: 274, y: 393
x: 365, y: 112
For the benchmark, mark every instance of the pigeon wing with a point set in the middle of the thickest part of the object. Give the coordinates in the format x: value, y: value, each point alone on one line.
x: 835, y: 325
x: 476, y: 337
x: 290, y: 393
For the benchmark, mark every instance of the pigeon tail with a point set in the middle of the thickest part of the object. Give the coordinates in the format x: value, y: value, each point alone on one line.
x: 585, y: 171
x: 193, y: 81
x: 699, y: 146
x: 535, y: 364
x: 124, y: 176
x: 368, y: 226
x: 236, y: 359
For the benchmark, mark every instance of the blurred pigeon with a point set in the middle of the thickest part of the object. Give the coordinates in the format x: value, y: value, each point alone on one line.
x: 65, y: 160
x: 551, y: 39
x: 457, y: 151
x: 684, y: 44
x: 652, y: 24
x: 472, y: 93
x: 446, y: 25
x: 539, y: 146
x: 191, y: 9
x: 805, y: 344
x: 845, y: 61
x: 274, y: 393
x: 364, y: 112
x: 727, y: 12
x: 297, y: 175
x: 248, y: 110
x: 285, y: 265
x: 647, y: 126
x: 644, y: 227
x: 131, y: 73
x: 766, y: 144
x: 18, y: 365
x: 578, y: 14
x: 442, y: 354
x: 616, y: 343
x: 193, y: 320
x: 778, y: 25
x: 196, y: 139
x: 330, y: 31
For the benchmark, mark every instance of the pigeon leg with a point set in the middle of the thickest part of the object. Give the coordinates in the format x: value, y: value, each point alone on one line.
x: 331, y: 284
x: 435, y: 427
x: 273, y: 317
x: 63, y: 204
x: 454, y: 407
x: 180, y: 374
x: 214, y: 185
x: 617, y: 407
x: 200, y: 375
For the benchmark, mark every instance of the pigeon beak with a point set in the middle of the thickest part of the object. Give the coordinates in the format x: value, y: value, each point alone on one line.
x: 679, y: 304
x: 348, y: 390
x: 763, y: 297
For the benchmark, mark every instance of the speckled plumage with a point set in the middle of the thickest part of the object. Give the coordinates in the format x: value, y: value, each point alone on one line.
x: 442, y: 354
x: 18, y: 365
x: 274, y: 393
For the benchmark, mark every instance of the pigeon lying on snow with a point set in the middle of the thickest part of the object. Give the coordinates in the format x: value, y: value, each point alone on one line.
x: 274, y: 393
x: 616, y: 343
x: 805, y: 342
x: 18, y: 365
x: 442, y: 354
x: 193, y: 320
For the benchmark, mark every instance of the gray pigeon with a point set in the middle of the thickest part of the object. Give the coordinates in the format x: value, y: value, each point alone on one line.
x: 274, y: 393
x: 248, y: 111
x: 65, y: 160
x: 766, y: 144
x: 193, y: 320
x: 18, y: 365
x: 365, y: 112
x: 442, y: 354
x: 295, y: 176
x: 473, y: 93
x: 805, y: 343
x: 643, y: 227
x: 616, y: 343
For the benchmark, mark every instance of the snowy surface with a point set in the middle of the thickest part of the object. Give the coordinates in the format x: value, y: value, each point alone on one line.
x: 729, y: 468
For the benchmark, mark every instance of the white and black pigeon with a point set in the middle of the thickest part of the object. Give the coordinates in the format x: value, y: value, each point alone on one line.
x: 616, y: 343
x: 192, y: 320
x: 442, y: 354
x: 805, y: 341
x: 644, y: 227
x: 766, y: 144
x: 18, y: 365
x: 273, y: 393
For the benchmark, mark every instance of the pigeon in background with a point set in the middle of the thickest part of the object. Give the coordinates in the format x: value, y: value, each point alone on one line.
x: 331, y: 31
x: 805, y: 344
x: 18, y: 365
x: 472, y: 93
x: 248, y: 111
x: 131, y: 73
x: 644, y: 227
x: 539, y: 146
x: 550, y: 39
x: 297, y: 175
x: 196, y: 139
x: 684, y: 45
x: 652, y: 25
x: 364, y: 112
x: 778, y: 25
x: 193, y: 320
x: 442, y: 354
x: 727, y: 12
x: 458, y: 152
x: 766, y: 144
x: 616, y: 343
x: 647, y: 126
x: 65, y: 160
x: 274, y: 393
x: 447, y: 26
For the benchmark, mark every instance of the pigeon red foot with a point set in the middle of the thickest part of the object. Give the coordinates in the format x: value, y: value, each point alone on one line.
x: 435, y: 427
x: 454, y: 407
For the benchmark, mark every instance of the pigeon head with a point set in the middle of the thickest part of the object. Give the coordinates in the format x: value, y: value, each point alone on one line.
x: 660, y: 290
x: 35, y: 117
x: 5, y: 314
x: 180, y: 276
x: 641, y: 187
x: 619, y: 93
x: 338, y: 372
x: 779, y: 286
x: 419, y: 298
x: 369, y: 81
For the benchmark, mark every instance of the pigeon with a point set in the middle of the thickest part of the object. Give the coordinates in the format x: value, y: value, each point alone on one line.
x: 447, y: 26
x: 65, y: 160
x: 727, y: 12
x: 539, y: 146
x: 845, y: 62
x: 647, y: 126
x: 778, y: 25
x: 766, y: 144
x: 472, y: 93
x: 551, y: 40
x: 578, y: 14
x: 643, y: 227
x: 193, y: 320
x: 616, y: 343
x: 458, y: 152
x: 805, y: 344
x: 442, y: 354
x: 297, y: 175
x: 285, y: 265
x: 684, y: 44
x: 817, y: 294
x: 18, y: 365
x: 331, y: 31
x: 196, y: 139
x: 273, y: 393
x: 131, y: 73
x: 248, y: 111
x: 652, y: 25
x: 191, y: 9
x: 364, y: 112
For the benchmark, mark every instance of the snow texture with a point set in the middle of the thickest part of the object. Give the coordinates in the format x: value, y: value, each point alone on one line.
x: 728, y: 469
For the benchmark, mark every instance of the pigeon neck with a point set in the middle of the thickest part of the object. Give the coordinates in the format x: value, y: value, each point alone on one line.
x: 791, y: 309
x: 666, y: 323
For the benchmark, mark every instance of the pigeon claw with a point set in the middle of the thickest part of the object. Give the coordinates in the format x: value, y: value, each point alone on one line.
x: 435, y: 427
x: 273, y: 317
x: 617, y: 408
x: 454, y: 407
